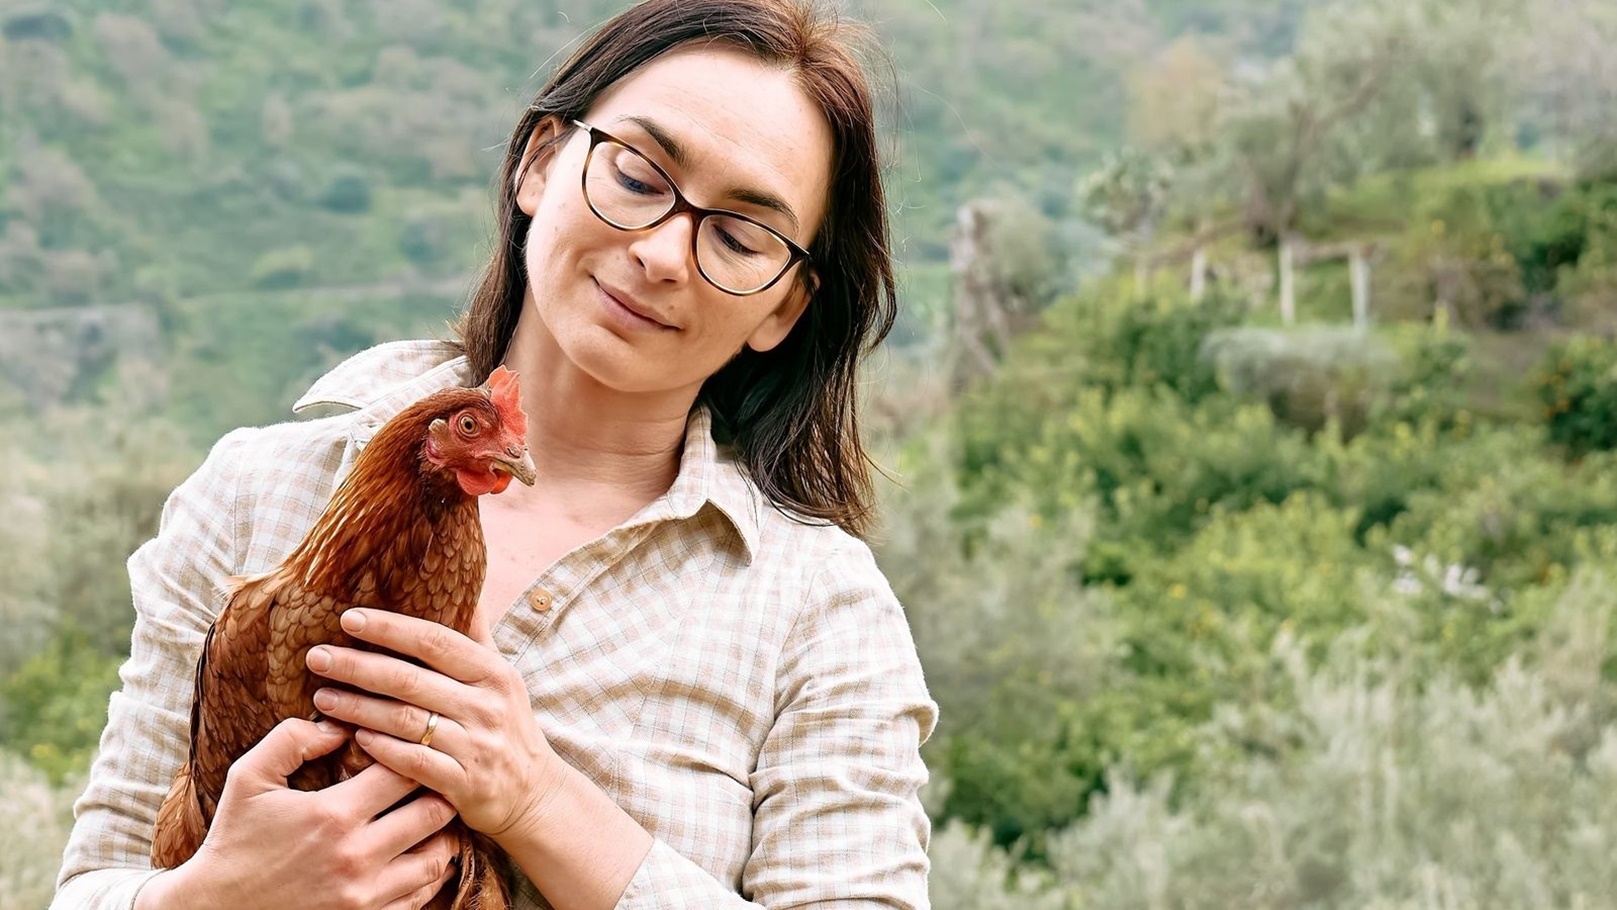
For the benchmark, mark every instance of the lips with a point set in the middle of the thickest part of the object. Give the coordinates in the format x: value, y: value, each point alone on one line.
x: 623, y: 299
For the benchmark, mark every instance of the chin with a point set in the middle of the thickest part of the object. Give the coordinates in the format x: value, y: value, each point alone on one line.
x: 618, y: 364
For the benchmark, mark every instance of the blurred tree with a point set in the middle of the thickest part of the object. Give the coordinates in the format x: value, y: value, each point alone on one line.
x: 1128, y: 197
x: 1173, y: 97
x: 1572, y: 75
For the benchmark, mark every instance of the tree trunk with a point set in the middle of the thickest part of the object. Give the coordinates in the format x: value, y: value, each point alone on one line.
x: 980, y: 329
x: 1198, y: 273
x: 1359, y: 269
x: 1288, y: 282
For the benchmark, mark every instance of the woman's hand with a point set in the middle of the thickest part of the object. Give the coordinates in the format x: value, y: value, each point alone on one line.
x: 273, y: 847
x: 487, y: 755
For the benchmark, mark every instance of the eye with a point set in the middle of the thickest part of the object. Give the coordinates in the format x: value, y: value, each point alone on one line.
x: 468, y: 426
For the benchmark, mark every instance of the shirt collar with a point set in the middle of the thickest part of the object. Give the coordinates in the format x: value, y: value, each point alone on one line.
x: 382, y: 381
x: 708, y: 474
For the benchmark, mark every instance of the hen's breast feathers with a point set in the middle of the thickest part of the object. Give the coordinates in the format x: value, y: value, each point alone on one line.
x: 252, y: 671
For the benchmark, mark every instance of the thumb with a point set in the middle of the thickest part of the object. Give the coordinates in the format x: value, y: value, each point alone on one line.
x: 481, y: 632
x: 285, y: 748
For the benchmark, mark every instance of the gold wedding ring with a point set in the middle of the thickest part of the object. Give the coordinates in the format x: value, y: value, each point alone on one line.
x: 432, y: 725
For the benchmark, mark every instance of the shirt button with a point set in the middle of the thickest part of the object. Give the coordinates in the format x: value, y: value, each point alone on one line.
x: 539, y: 599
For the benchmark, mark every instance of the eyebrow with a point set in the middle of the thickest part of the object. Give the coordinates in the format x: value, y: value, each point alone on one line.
x: 676, y: 151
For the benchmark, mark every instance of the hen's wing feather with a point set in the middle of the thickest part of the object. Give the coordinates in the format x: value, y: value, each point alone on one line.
x: 228, y: 715
x: 231, y: 714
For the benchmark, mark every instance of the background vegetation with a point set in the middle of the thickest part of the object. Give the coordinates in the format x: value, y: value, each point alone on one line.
x: 1223, y: 609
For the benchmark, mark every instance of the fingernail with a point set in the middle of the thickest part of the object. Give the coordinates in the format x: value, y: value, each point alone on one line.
x: 326, y: 726
x: 325, y: 699
x: 353, y: 621
x: 319, y: 659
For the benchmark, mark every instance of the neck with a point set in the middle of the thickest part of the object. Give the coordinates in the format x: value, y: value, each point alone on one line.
x: 584, y: 434
x: 379, y: 505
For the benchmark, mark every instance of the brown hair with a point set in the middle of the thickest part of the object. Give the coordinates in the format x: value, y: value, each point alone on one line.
x: 789, y: 414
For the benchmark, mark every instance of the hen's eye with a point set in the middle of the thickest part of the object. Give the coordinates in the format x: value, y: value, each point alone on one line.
x: 467, y: 424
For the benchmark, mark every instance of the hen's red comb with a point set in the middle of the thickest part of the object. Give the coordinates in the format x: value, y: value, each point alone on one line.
x: 506, y: 394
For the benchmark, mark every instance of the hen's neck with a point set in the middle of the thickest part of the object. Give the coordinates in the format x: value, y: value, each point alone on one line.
x: 390, y: 501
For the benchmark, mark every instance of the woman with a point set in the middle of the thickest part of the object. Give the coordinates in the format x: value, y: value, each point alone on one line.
x: 694, y: 689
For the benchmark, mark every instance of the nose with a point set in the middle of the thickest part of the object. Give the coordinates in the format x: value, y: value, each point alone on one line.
x: 665, y: 250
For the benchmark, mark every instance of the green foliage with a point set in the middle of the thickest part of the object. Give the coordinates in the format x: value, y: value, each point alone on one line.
x: 1589, y: 287
x: 1000, y: 618
x: 283, y: 268
x: 1380, y: 789
x: 970, y: 873
x: 1363, y: 782
x: 1144, y: 342
x: 1517, y: 525
x: 1309, y: 378
x: 85, y: 488
x: 421, y: 239
x: 1577, y: 385
x: 1179, y: 501
x: 1128, y: 193
x: 39, y: 815
x: 349, y: 192
x: 1501, y: 244
x: 55, y: 705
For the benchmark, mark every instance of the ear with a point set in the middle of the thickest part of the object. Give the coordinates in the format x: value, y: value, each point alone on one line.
x: 536, y: 158
x: 778, y: 324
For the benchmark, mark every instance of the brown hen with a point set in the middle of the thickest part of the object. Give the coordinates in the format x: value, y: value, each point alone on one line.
x: 401, y: 533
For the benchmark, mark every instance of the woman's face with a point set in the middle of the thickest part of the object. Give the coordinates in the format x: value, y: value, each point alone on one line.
x: 629, y: 308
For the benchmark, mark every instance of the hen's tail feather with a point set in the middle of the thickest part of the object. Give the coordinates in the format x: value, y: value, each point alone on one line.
x: 180, y: 826
x: 482, y: 876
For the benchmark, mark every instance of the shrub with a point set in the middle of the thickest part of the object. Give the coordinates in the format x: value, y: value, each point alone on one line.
x: 38, y: 818
x: 53, y: 708
x: 1309, y: 377
x: 970, y: 873
x: 1514, y: 522
x: 1212, y: 609
x: 1012, y: 646
x: 1383, y: 790
x: 421, y: 239
x: 1590, y: 286
x: 287, y: 267
x: 348, y: 192
x: 1577, y: 384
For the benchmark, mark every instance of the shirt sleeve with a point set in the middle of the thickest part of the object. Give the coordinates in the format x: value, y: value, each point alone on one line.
x: 837, y: 821
x: 174, y: 579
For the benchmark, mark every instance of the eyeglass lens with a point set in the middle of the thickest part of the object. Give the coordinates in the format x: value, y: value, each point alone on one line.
x: 627, y: 192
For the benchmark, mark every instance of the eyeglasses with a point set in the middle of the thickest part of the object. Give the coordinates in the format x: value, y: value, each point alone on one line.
x: 627, y: 190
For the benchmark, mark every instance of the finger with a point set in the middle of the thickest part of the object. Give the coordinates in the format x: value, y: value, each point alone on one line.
x: 434, y: 644
x: 435, y: 770
x: 422, y: 898
x: 387, y: 675
x: 373, y: 790
x: 395, y: 718
x: 414, y: 877
x: 284, y: 750
x: 406, y: 827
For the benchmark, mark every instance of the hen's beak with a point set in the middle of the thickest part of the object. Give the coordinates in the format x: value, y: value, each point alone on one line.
x: 518, y: 463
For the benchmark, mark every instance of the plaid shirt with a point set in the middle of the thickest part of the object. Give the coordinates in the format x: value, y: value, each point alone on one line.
x: 744, y: 686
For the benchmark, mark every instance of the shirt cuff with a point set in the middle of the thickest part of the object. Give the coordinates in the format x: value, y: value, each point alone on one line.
x: 668, y: 881
x: 103, y: 889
